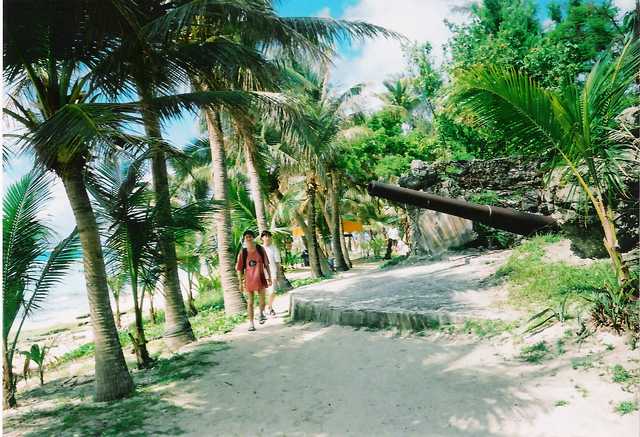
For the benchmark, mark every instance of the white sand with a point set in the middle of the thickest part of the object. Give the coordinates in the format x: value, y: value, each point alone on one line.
x: 309, y: 380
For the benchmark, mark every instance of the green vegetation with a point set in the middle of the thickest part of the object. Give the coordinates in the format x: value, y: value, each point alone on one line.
x: 488, y: 328
x: 620, y: 374
x: 626, y: 407
x: 535, y: 353
x: 583, y: 363
x: 296, y: 283
x: 561, y: 403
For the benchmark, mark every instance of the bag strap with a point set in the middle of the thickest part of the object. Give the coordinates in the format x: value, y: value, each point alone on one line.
x: 245, y: 254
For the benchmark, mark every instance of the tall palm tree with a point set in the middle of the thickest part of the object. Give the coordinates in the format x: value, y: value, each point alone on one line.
x: 48, y: 63
x: 575, y: 123
x: 124, y: 206
x: 32, y: 266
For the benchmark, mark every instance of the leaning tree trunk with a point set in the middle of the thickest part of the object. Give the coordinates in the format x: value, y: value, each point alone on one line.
x: 233, y: 303
x: 334, y: 223
x: 309, y: 236
x: 345, y: 249
x: 8, y: 379
x: 310, y: 231
x: 139, y: 341
x: 255, y: 187
x: 118, y: 314
x: 191, y: 306
x: 113, y: 380
x: 177, y: 329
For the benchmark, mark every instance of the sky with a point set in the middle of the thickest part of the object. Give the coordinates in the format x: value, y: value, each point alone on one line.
x: 368, y: 62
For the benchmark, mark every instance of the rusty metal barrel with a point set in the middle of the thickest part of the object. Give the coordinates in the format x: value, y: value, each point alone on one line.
x: 518, y: 222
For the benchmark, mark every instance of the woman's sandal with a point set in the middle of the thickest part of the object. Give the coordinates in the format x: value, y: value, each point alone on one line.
x: 263, y: 318
x: 252, y: 328
x: 272, y: 312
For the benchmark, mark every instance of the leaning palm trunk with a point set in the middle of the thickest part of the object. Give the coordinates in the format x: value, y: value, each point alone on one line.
x: 254, y: 182
x: 191, y: 306
x: 345, y: 249
x: 341, y: 263
x: 311, y: 244
x: 233, y: 303
x: 113, y: 380
x: 177, y: 329
x: 310, y: 232
x: 139, y: 341
x: 8, y: 379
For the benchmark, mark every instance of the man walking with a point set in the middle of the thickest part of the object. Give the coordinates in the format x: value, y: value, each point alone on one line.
x: 274, y: 266
x: 255, y: 276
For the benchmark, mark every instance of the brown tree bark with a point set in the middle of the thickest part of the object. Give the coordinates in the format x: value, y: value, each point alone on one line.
x: 113, y: 380
x: 8, y: 379
x: 334, y: 223
x: 233, y: 303
x: 177, y: 328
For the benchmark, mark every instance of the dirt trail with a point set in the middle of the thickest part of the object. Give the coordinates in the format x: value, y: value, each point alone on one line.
x: 310, y: 380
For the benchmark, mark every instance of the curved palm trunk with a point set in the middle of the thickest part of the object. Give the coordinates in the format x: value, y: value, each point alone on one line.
x: 313, y: 246
x: 113, y: 380
x: 139, y: 341
x: 314, y: 262
x: 343, y: 244
x: 8, y: 379
x: 254, y: 184
x: 177, y: 329
x: 233, y: 303
x: 191, y: 306
x: 341, y: 263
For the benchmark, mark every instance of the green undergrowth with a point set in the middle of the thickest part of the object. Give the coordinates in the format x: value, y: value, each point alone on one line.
x: 626, y: 407
x: 296, y: 283
x: 535, y: 353
x: 73, y: 412
x: 394, y: 261
x: 534, y: 281
x: 210, y: 320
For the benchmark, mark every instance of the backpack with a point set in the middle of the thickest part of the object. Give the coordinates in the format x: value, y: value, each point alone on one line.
x: 245, y: 253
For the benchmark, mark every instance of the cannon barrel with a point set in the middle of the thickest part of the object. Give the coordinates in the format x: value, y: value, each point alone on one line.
x: 518, y: 222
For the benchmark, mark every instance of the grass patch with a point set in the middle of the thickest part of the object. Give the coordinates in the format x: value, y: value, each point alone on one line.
x: 534, y: 281
x: 583, y: 363
x: 620, y: 374
x: 394, y: 261
x: 305, y: 281
x: 85, y: 350
x: 535, y: 353
x: 626, y: 407
x: 561, y: 403
x: 488, y: 328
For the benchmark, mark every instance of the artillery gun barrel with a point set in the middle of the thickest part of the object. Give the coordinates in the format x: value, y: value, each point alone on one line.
x: 518, y: 222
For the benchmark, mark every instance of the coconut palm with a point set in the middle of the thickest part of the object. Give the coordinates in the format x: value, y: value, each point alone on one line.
x: 32, y: 266
x: 123, y: 204
x: 117, y: 282
x: 48, y: 62
x: 574, y: 123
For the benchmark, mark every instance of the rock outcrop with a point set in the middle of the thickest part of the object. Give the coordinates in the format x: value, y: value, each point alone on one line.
x: 526, y: 186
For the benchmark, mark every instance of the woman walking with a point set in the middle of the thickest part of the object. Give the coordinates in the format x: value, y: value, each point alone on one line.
x: 255, y: 275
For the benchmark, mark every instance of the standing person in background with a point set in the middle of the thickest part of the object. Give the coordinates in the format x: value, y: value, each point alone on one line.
x: 255, y: 276
x: 274, y: 264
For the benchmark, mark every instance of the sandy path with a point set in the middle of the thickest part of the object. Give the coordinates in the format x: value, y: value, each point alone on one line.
x: 312, y: 380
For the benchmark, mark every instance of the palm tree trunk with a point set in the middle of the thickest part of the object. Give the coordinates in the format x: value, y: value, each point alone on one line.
x: 255, y: 187
x: 334, y: 223
x: 118, y: 315
x: 310, y: 231
x: 8, y: 379
x: 139, y: 342
x: 309, y: 236
x: 177, y: 329
x: 191, y: 307
x: 152, y: 309
x: 113, y: 380
x: 345, y: 249
x: 233, y: 303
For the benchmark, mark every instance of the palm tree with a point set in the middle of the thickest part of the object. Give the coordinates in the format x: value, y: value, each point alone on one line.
x: 400, y: 95
x: 575, y: 123
x: 124, y: 206
x: 117, y: 282
x: 48, y: 62
x: 32, y: 266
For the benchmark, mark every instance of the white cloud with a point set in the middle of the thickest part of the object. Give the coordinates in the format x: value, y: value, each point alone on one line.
x: 417, y: 20
x: 324, y: 12
x: 625, y: 5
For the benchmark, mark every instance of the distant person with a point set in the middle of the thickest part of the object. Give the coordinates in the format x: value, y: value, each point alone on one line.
x: 305, y: 258
x: 274, y: 266
x: 255, y: 276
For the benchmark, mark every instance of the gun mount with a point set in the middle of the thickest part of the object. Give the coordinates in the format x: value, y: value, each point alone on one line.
x: 518, y: 222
